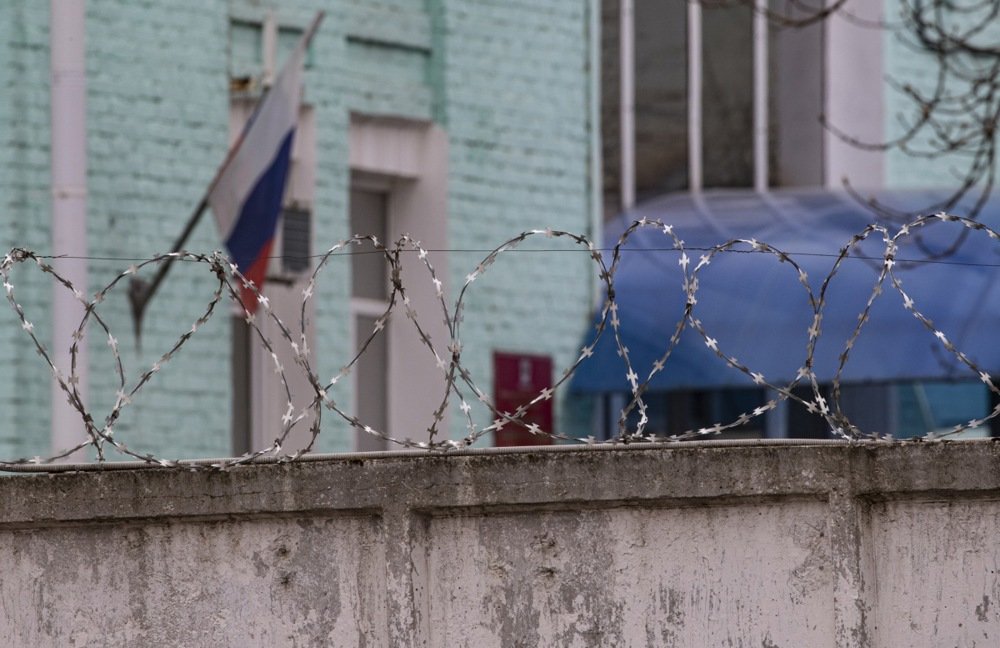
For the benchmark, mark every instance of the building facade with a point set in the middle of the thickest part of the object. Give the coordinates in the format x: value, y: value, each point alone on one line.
x: 710, y: 110
x: 460, y: 122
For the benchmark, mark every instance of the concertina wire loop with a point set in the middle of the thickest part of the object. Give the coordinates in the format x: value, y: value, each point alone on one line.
x: 457, y: 381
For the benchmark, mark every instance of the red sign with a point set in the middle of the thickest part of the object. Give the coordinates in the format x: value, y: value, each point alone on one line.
x: 517, y: 380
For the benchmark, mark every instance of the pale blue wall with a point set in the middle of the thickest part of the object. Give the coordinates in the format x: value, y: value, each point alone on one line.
x: 508, y: 83
x: 24, y: 179
x: 516, y: 113
x: 905, y: 66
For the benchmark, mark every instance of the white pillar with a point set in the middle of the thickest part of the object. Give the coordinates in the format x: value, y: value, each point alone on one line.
x: 760, y: 94
x: 269, y: 47
x: 596, y: 159
x: 694, y: 96
x: 854, y: 96
x: 627, y: 109
x: 69, y: 207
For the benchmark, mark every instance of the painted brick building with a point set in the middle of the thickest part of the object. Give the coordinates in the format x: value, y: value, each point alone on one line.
x: 460, y: 121
x: 715, y: 116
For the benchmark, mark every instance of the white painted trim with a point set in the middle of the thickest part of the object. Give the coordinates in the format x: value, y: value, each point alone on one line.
x: 627, y: 101
x: 388, y: 147
x: 596, y: 152
x: 367, y: 307
x: 410, y: 159
x: 761, y: 130
x: 68, y: 159
x: 695, y: 174
x: 269, y: 47
x: 854, y: 96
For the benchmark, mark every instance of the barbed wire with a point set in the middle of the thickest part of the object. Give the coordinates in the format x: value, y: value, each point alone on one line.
x: 643, y: 250
x: 457, y: 381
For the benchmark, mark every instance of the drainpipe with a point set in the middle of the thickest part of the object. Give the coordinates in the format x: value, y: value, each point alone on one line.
x: 627, y: 98
x: 760, y: 94
x: 695, y: 178
x: 69, y: 209
x: 596, y: 159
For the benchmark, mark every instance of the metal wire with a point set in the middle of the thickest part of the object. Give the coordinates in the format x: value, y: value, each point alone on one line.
x: 459, y: 385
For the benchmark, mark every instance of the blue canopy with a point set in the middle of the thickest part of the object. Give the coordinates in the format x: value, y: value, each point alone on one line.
x: 756, y: 309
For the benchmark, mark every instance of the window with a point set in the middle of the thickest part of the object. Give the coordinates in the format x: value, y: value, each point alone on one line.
x: 259, y: 398
x: 398, y: 185
x: 258, y: 43
x: 677, y: 412
x: 675, y: 51
x: 369, y: 215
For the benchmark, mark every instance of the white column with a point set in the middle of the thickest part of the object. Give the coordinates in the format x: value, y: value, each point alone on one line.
x: 694, y: 96
x: 854, y: 95
x: 627, y: 109
x: 760, y: 94
x: 69, y: 207
x: 269, y: 47
x: 596, y: 159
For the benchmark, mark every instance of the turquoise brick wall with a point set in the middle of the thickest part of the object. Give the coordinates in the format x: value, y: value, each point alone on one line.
x: 508, y: 82
x: 516, y: 112
x: 904, y: 66
x: 8, y: 141
x: 901, y: 63
x: 157, y: 129
x: 24, y: 176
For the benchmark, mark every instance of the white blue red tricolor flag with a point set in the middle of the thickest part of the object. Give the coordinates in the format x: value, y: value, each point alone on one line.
x: 247, y: 195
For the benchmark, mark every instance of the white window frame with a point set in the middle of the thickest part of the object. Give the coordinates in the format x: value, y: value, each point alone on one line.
x: 695, y: 67
x: 409, y: 160
x: 369, y: 307
x: 852, y: 67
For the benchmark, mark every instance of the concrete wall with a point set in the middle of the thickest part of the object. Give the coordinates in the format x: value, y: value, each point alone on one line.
x: 692, y: 545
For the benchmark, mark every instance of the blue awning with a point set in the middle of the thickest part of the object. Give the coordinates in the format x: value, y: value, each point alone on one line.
x: 757, y: 310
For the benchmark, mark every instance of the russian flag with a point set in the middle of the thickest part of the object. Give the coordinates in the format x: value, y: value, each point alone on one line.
x: 247, y: 195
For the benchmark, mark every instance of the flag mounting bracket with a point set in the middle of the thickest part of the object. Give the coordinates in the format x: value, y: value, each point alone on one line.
x: 141, y: 291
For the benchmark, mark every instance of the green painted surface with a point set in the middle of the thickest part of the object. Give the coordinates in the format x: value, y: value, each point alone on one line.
x: 24, y: 174
x: 906, y: 66
x: 507, y: 81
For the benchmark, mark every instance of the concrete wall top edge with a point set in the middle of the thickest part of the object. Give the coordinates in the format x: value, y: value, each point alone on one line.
x: 609, y: 477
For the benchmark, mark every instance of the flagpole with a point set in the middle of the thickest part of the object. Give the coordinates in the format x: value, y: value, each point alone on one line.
x: 140, y: 291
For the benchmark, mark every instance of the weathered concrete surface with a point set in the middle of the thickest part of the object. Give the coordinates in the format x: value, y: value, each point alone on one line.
x: 750, y: 546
